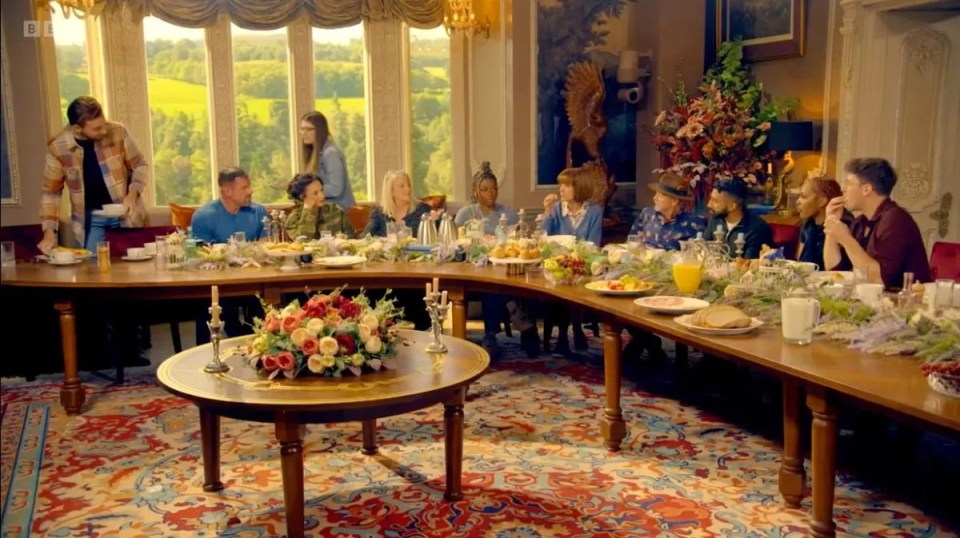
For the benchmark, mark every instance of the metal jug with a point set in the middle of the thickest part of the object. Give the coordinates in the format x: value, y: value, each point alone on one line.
x: 448, y: 232
x: 427, y: 231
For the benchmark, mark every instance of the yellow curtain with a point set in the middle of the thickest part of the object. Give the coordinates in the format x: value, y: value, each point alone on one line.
x: 272, y: 14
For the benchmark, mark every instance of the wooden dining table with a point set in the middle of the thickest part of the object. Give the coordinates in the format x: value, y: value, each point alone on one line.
x: 819, y: 375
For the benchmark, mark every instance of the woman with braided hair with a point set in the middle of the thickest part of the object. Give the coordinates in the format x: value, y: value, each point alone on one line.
x: 485, y: 190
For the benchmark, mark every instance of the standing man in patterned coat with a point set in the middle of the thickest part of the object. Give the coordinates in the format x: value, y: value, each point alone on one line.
x: 100, y: 164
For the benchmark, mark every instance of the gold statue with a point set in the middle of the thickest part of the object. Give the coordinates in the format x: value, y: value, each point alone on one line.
x: 585, y: 95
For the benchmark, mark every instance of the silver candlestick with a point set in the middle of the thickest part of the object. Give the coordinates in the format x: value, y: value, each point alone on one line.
x: 216, y: 366
x: 438, y: 313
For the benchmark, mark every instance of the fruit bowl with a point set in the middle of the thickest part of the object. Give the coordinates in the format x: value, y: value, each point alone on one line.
x: 567, y: 269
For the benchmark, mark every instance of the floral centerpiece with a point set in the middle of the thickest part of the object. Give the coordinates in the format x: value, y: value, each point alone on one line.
x: 328, y: 335
x: 721, y: 133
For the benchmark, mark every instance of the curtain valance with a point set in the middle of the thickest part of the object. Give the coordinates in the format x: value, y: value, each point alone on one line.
x: 273, y: 14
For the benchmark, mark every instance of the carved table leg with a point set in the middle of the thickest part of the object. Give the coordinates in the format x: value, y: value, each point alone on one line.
x: 72, y: 393
x: 369, y: 437
x: 453, y: 443
x: 210, y: 442
x: 792, y: 477
x: 291, y: 463
x: 613, y: 428
x: 823, y: 461
x: 458, y: 298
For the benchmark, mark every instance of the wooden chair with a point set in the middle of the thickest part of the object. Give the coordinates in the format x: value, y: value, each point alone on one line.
x: 180, y: 216
x: 358, y: 216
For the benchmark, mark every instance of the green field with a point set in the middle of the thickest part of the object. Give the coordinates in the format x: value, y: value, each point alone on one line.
x: 438, y: 72
x: 173, y: 96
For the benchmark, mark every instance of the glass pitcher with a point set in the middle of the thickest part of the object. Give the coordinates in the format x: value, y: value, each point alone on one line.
x: 688, y: 268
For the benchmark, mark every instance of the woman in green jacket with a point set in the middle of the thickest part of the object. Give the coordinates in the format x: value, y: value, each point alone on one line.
x: 311, y: 215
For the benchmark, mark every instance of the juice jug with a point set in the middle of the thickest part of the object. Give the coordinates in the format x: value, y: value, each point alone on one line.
x: 688, y: 269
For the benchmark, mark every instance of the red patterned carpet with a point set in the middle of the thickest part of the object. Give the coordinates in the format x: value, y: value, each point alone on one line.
x: 534, y: 466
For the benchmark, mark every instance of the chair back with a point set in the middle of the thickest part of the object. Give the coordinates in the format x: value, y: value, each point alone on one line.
x: 788, y: 237
x: 123, y: 238
x: 945, y: 260
x: 180, y: 216
x: 359, y: 216
x: 25, y: 238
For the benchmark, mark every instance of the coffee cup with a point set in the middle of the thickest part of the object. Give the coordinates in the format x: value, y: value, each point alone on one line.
x: 150, y: 249
x: 869, y: 293
x: 64, y: 256
x: 136, y: 252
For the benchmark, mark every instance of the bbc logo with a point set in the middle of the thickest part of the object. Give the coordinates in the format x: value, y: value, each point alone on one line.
x: 37, y: 28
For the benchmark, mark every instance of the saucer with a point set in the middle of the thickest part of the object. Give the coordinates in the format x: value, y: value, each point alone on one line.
x: 62, y: 264
x: 140, y: 259
x: 108, y: 214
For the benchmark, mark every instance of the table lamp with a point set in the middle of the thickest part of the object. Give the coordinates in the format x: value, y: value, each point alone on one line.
x: 784, y: 138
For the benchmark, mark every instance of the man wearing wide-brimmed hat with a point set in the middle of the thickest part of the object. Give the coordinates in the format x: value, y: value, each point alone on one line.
x: 667, y: 223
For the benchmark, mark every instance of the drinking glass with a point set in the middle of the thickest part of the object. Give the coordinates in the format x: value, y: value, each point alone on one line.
x: 943, y: 293
x: 325, y: 234
x: 103, y: 256
x: 160, y: 260
x: 860, y: 276
x: 633, y: 239
x: 8, y: 258
x: 239, y: 237
x: 800, y: 311
x: 391, y: 229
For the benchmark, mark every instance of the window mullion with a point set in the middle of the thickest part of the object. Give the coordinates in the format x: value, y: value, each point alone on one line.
x: 302, y: 91
x: 222, y: 103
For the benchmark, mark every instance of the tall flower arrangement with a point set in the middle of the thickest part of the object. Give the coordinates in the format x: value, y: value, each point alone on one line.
x: 721, y: 133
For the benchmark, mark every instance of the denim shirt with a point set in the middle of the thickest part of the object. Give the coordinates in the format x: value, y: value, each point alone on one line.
x: 657, y: 233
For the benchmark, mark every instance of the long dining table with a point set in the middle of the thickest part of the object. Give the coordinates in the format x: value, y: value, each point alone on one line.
x: 819, y: 375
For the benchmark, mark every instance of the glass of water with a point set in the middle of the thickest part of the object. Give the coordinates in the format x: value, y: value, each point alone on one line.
x: 239, y: 237
x: 9, y: 255
x: 633, y: 239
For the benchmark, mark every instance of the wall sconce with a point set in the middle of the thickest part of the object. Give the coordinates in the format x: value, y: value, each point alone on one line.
x: 633, y: 73
x: 784, y: 138
x: 459, y: 17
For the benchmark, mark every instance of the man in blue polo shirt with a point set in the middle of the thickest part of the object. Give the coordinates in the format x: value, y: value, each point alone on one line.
x: 234, y: 212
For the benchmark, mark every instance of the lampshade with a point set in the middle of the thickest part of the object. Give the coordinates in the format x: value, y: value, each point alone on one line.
x: 791, y: 136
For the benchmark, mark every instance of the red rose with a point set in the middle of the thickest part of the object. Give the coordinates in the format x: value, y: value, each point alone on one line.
x: 289, y: 323
x: 337, y: 301
x: 347, y: 345
x: 285, y: 360
x: 315, y: 310
x: 269, y: 363
x: 349, y: 310
x: 310, y: 346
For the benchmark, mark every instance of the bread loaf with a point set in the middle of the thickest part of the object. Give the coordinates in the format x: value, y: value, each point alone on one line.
x: 720, y: 317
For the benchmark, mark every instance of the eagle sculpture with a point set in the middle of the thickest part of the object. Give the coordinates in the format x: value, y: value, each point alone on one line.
x: 585, y: 95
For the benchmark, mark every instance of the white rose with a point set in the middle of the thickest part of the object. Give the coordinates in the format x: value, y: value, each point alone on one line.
x: 315, y: 364
x: 329, y: 345
x: 259, y: 344
x: 370, y: 321
x: 315, y: 326
x: 365, y: 332
x: 328, y: 361
x: 373, y: 345
x: 357, y: 359
x: 299, y: 336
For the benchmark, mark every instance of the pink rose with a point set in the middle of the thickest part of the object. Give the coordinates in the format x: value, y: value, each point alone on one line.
x: 272, y: 324
x: 285, y: 360
x: 289, y: 324
x: 310, y: 346
x: 270, y: 363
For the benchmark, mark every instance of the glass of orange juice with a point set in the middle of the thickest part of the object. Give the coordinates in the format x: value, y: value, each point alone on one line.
x: 687, y: 276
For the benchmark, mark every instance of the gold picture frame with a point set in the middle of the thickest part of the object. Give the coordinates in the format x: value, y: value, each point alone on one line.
x: 9, y: 172
x: 768, y: 29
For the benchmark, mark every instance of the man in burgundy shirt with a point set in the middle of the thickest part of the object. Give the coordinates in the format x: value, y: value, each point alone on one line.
x: 884, y: 240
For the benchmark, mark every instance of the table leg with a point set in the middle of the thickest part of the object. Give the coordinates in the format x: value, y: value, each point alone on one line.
x: 369, y: 437
x: 453, y: 443
x: 682, y: 356
x: 613, y: 428
x: 457, y: 296
x: 72, y: 393
x: 792, y: 477
x: 291, y: 463
x: 823, y: 461
x: 210, y: 442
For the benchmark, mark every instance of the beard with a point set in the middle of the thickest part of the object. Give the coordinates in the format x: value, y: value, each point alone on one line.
x: 722, y: 213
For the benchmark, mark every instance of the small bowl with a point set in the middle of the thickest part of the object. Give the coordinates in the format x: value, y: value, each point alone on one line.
x: 113, y: 209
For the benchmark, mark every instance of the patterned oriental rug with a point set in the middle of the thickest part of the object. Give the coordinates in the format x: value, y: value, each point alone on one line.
x: 534, y: 466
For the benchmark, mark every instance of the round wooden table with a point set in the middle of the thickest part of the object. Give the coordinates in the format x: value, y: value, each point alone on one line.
x: 420, y: 379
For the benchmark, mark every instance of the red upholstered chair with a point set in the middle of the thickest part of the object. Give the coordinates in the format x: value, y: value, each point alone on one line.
x: 788, y: 237
x: 945, y: 260
x: 25, y: 239
x: 123, y: 238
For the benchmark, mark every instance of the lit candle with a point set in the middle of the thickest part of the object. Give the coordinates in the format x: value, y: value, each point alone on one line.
x: 770, y: 168
x: 443, y: 298
x: 740, y: 236
x: 428, y: 289
x: 436, y: 284
x: 215, y: 295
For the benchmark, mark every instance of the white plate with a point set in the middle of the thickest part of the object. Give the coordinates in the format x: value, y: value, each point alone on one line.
x: 671, y: 304
x: 600, y: 286
x: 63, y: 264
x: 286, y: 253
x: 505, y: 261
x: 833, y: 277
x: 140, y: 259
x: 684, y: 321
x: 563, y: 240
x: 339, y: 261
x: 108, y: 214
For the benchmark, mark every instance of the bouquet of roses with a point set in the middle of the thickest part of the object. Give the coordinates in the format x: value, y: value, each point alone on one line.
x: 328, y: 335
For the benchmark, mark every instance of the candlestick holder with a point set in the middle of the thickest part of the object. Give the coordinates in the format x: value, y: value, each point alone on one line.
x: 438, y: 313
x: 739, y: 244
x: 215, y: 366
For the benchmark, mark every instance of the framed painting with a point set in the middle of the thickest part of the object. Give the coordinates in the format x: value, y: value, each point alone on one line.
x: 769, y: 29
x: 9, y: 177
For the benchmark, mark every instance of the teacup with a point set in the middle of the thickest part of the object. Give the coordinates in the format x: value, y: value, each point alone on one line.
x: 64, y: 256
x: 869, y: 293
x: 113, y: 209
x: 136, y: 252
x: 150, y: 249
x: 807, y: 268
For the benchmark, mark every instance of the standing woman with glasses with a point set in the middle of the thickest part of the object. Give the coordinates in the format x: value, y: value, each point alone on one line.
x: 321, y: 156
